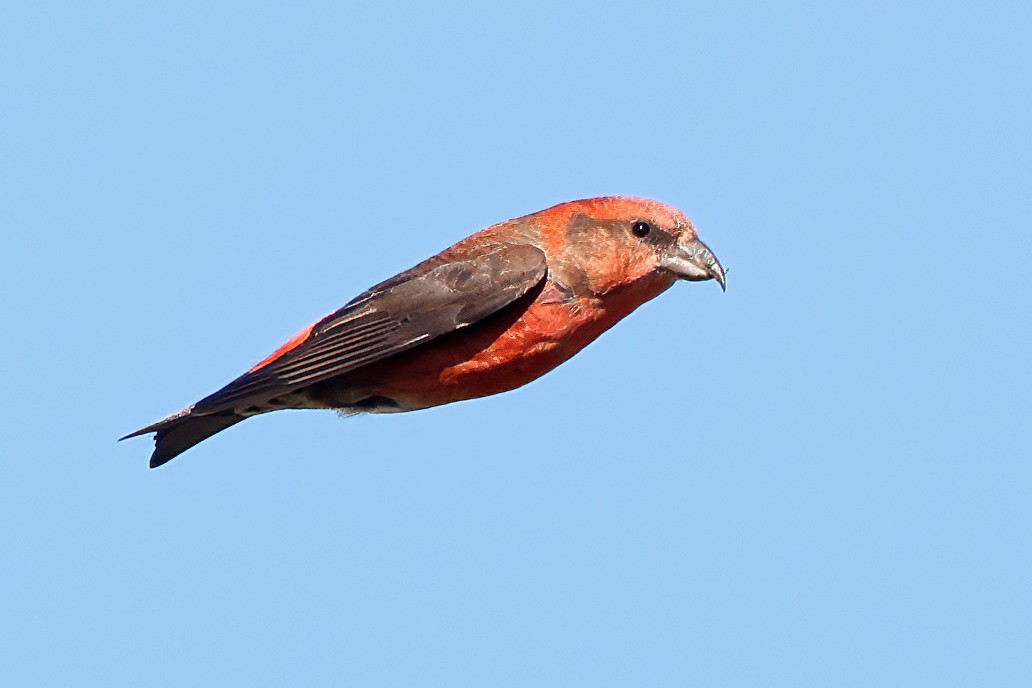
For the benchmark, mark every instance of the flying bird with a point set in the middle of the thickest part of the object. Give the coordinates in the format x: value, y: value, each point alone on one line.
x: 493, y: 312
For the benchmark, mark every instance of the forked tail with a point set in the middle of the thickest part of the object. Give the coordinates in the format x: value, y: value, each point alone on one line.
x: 182, y: 430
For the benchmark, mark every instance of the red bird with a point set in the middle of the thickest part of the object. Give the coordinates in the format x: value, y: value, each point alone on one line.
x: 491, y: 313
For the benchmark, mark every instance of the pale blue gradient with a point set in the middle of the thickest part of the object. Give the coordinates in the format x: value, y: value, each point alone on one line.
x: 820, y: 478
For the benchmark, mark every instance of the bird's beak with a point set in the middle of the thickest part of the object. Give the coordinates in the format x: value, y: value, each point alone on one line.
x: 692, y: 260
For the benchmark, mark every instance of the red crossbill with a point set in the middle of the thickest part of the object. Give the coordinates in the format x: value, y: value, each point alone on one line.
x: 493, y: 312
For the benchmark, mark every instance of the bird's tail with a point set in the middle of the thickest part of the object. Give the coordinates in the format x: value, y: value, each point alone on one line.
x: 182, y: 430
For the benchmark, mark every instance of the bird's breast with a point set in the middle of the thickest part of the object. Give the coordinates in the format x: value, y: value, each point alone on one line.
x: 500, y: 353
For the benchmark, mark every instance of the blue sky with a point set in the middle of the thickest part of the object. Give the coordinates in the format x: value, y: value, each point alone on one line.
x: 821, y: 477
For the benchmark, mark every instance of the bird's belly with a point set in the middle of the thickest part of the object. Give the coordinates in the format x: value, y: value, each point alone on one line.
x: 495, y: 355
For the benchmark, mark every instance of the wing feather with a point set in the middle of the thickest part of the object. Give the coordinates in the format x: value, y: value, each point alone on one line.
x: 436, y: 297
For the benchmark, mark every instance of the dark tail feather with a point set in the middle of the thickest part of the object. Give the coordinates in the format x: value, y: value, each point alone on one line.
x: 182, y: 430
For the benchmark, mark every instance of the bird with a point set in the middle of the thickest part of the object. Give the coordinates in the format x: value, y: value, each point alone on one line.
x: 491, y: 313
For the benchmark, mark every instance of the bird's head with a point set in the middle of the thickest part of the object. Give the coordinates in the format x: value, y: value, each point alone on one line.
x: 601, y: 244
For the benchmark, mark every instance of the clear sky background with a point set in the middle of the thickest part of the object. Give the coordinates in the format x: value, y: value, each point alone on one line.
x: 822, y: 477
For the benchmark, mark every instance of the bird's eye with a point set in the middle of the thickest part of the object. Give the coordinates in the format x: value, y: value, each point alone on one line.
x: 641, y: 229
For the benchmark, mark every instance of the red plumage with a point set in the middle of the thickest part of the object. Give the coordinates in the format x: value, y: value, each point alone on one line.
x: 489, y: 314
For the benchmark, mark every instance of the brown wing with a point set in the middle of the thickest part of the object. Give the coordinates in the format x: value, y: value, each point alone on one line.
x: 430, y: 300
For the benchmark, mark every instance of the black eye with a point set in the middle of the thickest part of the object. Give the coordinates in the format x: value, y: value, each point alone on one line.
x: 641, y: 229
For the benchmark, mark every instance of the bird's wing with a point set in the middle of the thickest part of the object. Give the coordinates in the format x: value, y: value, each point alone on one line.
x: 430, y: 300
